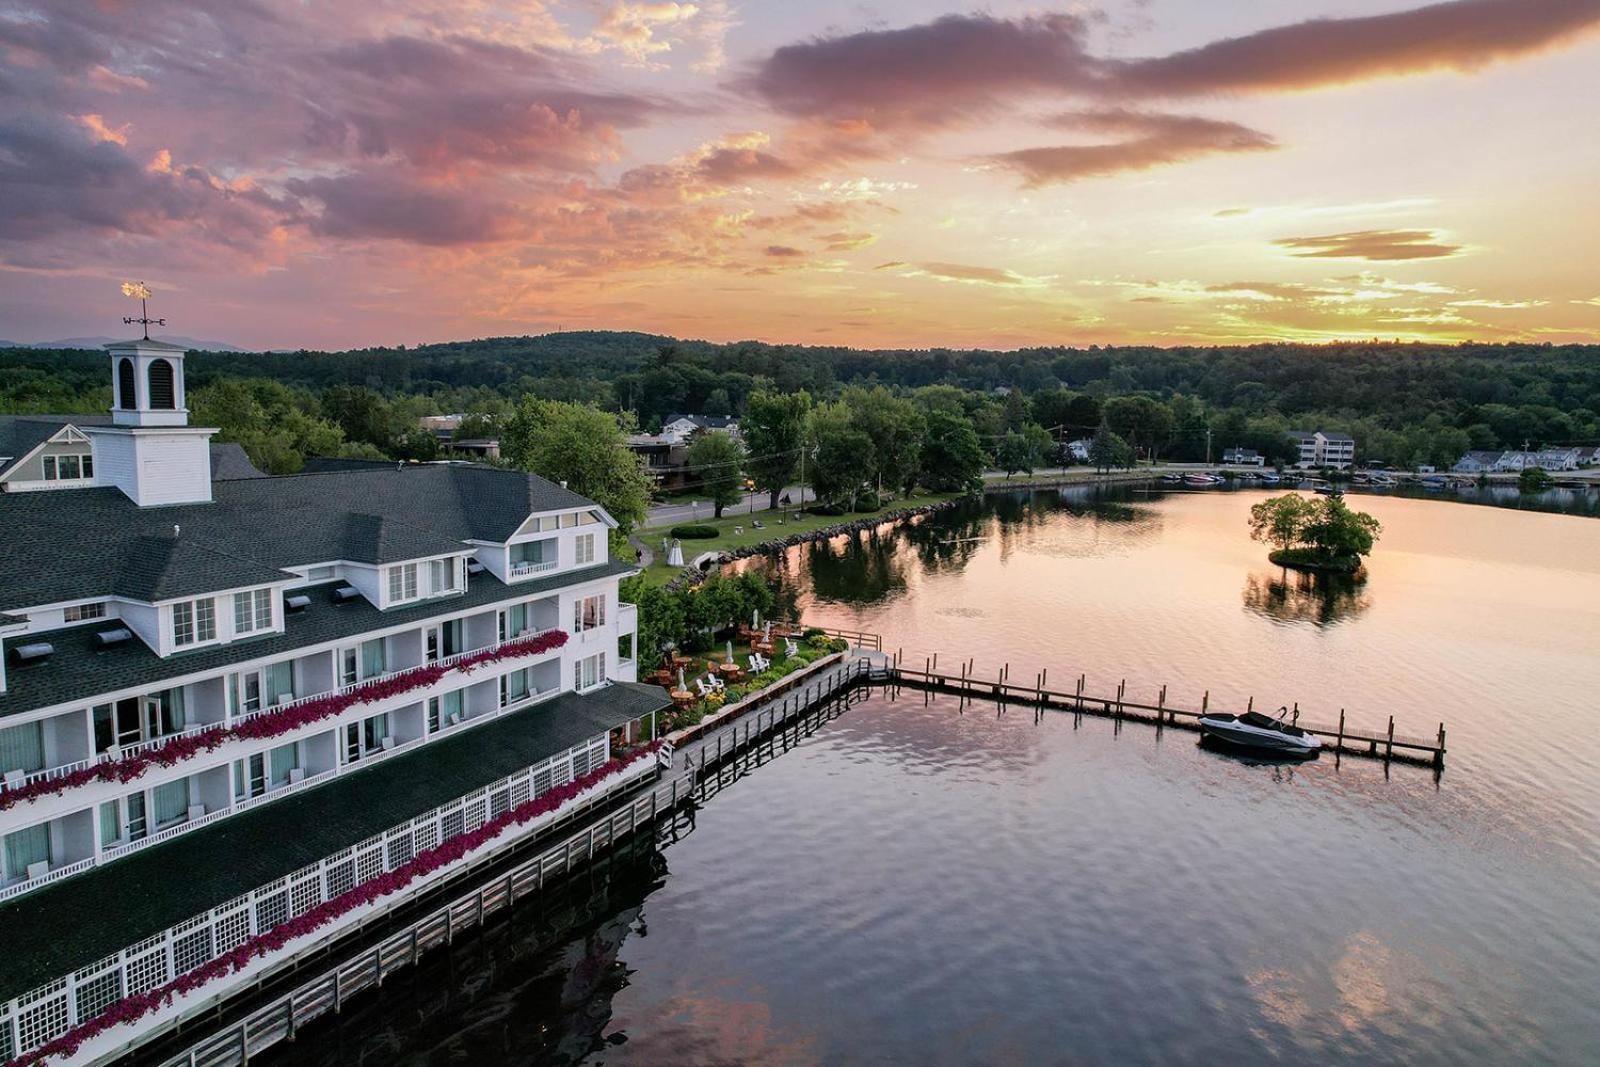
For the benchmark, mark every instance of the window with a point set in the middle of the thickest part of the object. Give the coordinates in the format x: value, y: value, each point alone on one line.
x: 589, y: 671
x: 244, y: 693
x: 513, y: 621
x: 278, y: 681
x: 249, y: 777
x: 442, y: 575
x: 25, y: 848
x: 319, y: 574
x: 444, y: 710
x: 514, y: 687
x: 349, y: 667
x: 373, y: 660
x: 624, y: 647
x: 194, y: 621
x: 588, y: 613
x: 402, y: 583
x: 252, y: 611
x: 84, y: 612
x: 171, y: 802
x: 583, y: 551
x: 162, y: 392
x: 374, y: 731
x: 126, y: 400
x: 110, y: 823
x: 568, y: 521
x: 73, y: 467
x: 22, y: 748
x: 285, y: 758
x: 444, y: 640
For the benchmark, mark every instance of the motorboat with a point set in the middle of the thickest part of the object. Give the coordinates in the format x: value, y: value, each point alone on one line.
x: 1270, y: 477
x: 1200, y: 481
x: 1381, y: 480
x: 1172, y: 478
x: 1258, y: 731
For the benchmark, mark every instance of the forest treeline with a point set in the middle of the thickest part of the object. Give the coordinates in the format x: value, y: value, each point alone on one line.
x: 1404, y: 403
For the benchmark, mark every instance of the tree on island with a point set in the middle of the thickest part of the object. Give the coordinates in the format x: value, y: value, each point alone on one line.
x: 716, y: 463
x: 1533, y: 480
x: 1321, y: 534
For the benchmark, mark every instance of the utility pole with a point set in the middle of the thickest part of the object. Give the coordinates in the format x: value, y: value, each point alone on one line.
x: 1208, y: 446
x: 802, y: 476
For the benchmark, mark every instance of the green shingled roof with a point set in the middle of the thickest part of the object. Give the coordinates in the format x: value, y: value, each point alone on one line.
x: 90, y: 916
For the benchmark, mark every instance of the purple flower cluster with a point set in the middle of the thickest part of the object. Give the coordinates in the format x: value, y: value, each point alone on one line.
x: 130, y: 1009
x: 277, y: 722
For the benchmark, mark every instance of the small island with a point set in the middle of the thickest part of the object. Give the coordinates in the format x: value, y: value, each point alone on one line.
x: 1321, y: 535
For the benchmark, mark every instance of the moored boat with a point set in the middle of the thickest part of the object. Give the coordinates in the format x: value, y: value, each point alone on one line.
x: 1201, y: 481
x: 1264, y: 732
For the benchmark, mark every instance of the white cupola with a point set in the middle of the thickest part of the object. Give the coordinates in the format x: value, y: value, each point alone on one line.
x: 150, y: 451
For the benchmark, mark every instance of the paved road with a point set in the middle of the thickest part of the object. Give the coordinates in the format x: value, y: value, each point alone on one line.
x: 678, y: 514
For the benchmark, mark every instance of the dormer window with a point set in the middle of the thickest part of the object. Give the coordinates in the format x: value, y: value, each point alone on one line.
x: 194, y: 621
x: 402, y: 583
x: 252, y: 611
x: 73, y: 467
x: 83, y: 612
x: 442, y: 575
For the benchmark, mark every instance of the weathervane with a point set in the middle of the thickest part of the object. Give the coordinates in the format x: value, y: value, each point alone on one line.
x: 142, y: 292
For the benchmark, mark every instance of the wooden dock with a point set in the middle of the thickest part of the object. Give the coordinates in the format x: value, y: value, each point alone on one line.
x: 1340, y: 739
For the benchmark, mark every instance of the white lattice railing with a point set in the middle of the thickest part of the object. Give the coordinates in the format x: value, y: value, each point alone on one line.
x: 522, y: 570
x: 16, y: 889
x: 44, y: 1014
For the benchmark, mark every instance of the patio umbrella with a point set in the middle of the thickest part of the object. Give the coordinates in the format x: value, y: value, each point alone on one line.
x: 681, y: 683
x: 755, y: 619
x: 730, y: 651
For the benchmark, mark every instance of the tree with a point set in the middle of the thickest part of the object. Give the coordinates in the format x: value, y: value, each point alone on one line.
x: 1335, y: 532
x: 1533, y: 480
x: 1141, y: 420
x: 361, y: 413
x: 474, y: 427
x: 582, y: 446
x: 895, y: 427
x: 416, y: 443
x: 1280, y: 520
x: 843, y: 454
x: 952, y: 456
x: 774, y: 430
x: 663, y: 617
x: 1109, y: 450
x: 271, y: 422
x: 1013, y: 454
x: 716, y: 463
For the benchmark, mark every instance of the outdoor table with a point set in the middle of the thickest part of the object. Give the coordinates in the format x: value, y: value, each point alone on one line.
x: 730, y: 671
x: 682, y: 698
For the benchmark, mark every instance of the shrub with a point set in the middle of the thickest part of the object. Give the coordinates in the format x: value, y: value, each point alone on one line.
x: 868, y: 501
x: 694, y: 533
x: 813, y: 633
x: 826, y: 509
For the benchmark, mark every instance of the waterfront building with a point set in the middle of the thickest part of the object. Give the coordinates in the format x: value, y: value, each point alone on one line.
x: 227, y: 698
x: 1245, y: 457
x: 1321, y: 448
x: 1477, y: 462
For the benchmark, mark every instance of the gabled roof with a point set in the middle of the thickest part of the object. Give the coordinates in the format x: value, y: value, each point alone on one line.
x: 705, y: 422
x: 75, y: 546
x: 229, y: 461
x: 161, y: 568
x: 21, y: 434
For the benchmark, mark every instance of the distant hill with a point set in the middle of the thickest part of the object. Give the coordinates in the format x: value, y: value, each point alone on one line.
x: 99, y: 342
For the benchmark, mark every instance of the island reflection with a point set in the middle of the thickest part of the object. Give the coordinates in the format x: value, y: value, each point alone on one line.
x: 1294, y: 597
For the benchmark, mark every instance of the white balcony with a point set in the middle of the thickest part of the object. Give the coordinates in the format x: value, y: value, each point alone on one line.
x: 525, y: 570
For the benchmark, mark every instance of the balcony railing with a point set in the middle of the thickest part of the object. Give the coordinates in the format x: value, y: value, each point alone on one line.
x: 16, y: 889
x: 527, y: 567
x: 130, y: 847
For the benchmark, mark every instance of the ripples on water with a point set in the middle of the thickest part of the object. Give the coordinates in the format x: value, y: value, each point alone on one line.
x: 934, y: 884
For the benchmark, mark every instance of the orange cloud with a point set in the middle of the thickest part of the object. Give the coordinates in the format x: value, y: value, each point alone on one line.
x: 1151, y: 140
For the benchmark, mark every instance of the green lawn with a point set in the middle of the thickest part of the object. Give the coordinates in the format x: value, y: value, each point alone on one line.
x: 727, y: 539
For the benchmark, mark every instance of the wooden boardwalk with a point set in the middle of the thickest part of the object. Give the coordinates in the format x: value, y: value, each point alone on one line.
x: 1341, y: 739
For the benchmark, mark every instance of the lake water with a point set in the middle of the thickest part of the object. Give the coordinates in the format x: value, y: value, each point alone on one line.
x: 930, y: 883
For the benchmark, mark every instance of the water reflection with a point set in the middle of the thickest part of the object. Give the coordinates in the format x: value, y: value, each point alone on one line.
x: 1296, y: 597
x: 862, y: 570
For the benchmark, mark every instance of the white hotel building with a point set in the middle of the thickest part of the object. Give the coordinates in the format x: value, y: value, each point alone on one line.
x: 155, y: 586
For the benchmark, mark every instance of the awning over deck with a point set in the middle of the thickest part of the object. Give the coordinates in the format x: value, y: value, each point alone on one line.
x: 87, y: 918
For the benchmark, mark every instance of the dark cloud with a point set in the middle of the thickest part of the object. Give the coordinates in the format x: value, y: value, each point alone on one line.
x: 948, y: 70
x: 1460, y: 35
x: 924, y: 75
x: 728, y: 166
x: 1148, y: 140
x: 1370, y: 244
x: 784, y: 252
x: 54, y: 178
x: 381, y: 204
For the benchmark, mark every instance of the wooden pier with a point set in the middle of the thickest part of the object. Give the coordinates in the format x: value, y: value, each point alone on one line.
x: 1340, y: 739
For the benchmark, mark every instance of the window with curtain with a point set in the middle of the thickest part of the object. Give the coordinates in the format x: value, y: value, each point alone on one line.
x: 451, y: 704
x: 280, y: 682
x: 22, y: 748
x: 285, y: 758
x: 171, y: 802
x: 588, y: 613
x: 25, y: 848
x: 376, y: 729
x: 372, y: 658
x: 516, y: 621
x: 174, y: 716
x: 516, y: 685
x: 110, y: 823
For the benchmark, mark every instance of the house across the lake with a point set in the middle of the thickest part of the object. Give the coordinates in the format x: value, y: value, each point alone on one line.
x: 1244, y: 457
x: 1477, y: 462
x: 227, y: 698
x: 1322, y: 448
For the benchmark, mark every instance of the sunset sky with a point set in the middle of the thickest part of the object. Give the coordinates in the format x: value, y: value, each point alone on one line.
x: 313, y: 173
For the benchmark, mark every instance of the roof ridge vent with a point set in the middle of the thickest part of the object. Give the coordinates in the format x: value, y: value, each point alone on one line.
x: 116, y: 636
x: 33, y: 652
